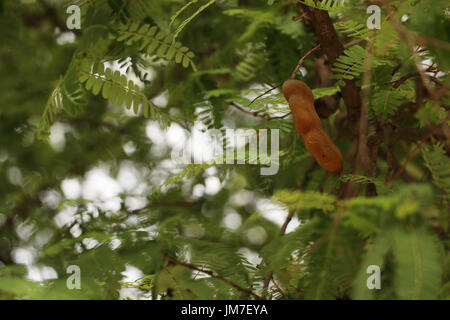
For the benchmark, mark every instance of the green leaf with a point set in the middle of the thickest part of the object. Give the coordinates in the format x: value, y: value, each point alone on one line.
x: 97, y: 86
x: 418, y: 268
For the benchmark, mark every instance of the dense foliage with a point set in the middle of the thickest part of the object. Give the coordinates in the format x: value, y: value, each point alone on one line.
x: 99, y: 100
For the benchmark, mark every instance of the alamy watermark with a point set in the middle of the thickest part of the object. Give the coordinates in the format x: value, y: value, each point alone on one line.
x: 73, y: 22
x: 374, y: 280
x: 374, y: 21
x: 74, y: 280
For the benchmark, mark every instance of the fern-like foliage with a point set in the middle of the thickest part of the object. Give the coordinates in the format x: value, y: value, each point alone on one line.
x: 359, y: 179
x: 191, y: 17
x: 250, y: 65
x: 53, y: 104
x: 418, y: 267
x: 152, y: 40
x: 68, y: 95
x: 191, y: 170
x: 350, y: 64
x: 439, y: 165
x: 431, y: 113
x: 331, y: 261
x: 306, y: 200
x: 352, y: 29
x: 387, y: 41
x: 385, y: 102
x: 223, y: 259
x: 327, y: 5
x: 324, y: 92
x: 115, y: 87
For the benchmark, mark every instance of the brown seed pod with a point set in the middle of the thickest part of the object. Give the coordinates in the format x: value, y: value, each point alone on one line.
x: 307, y: 118
x: 308, y: 125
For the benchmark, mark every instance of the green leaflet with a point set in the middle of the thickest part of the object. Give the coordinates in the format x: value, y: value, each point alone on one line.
x: 439, y: 165
x: 418, y: 267
x: 190, y: 171
x: 153, y: 41
x: 385, y: 102
x: 250, y: 65
x: 298, y: 200
x: 352, y: 29
x: 350, y: 64
x: 190, y: 18
x: 68, y: 95
x: 117, y: 89
x: 328, y: 5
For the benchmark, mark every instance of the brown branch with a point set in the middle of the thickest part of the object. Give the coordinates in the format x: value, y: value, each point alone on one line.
x: 397, y: 83
x: 331, y: 45
x: 411, y: 134
x: 286, y: 222
x: 300, y: 62
x: 363, y: 152
x: 213, y: 275
x: 366, y: 152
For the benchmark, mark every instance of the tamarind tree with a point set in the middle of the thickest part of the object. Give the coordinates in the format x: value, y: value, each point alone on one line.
x: 90, y: 116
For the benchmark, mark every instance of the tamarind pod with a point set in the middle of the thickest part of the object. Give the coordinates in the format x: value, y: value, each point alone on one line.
x: 308, y: 125
x: 322, y: 148
x: 296, y: 87
x: 305, y: 118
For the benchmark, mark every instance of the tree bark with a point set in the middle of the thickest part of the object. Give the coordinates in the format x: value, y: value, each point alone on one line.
x: 329, y: 41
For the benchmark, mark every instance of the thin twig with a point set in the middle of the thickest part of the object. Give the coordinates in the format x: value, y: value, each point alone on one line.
x: 280, y: 117
x: 411, y: 40
x: 300, y: 62
x: 278, y: 287
x: 292, y: 77
x: 258, y: 113
x: 417, y: 38
x: 286, y: 222
x: 253, y: 113
x: 263, y: 94
x: 269, y: 277
x: 213, y: 275
x: 409, y: 157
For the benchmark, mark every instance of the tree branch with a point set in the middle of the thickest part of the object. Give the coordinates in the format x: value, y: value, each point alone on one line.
x: 331, y: 45
x: 300, y: 62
